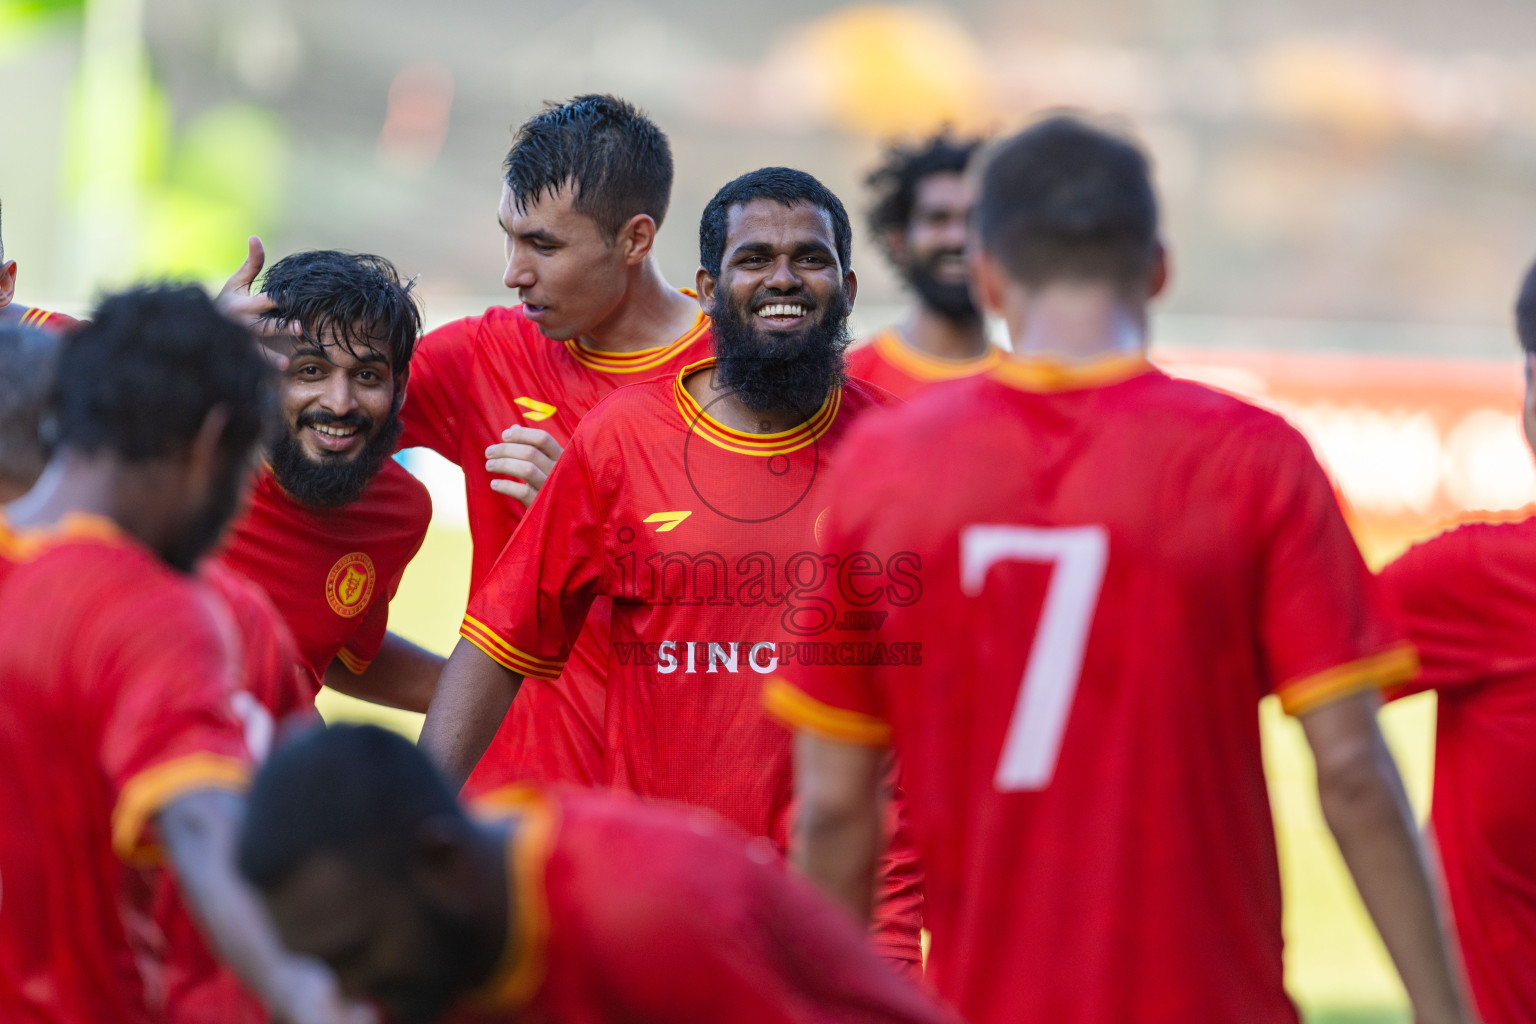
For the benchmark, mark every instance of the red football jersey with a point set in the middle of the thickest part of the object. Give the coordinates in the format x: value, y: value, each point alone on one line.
x: 1467, y: 599
x: 635, y: 913
x: 23, y: 316
x: 470, y: 380
x: 273, y: 684
x: 116, y: 678
x: 888, y: 362
x: 1112, y: 568
x: 332, y: 572
x: 703, y: 538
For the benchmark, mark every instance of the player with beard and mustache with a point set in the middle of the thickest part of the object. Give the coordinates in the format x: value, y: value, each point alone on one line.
x: 557, y: 905
x: 680, y: 499
x: 919, y: 217
x: 118, y: 740
x: 333, y: 520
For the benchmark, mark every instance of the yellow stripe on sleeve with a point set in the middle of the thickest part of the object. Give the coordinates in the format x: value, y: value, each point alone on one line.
x: 801, y: 710
x: 504, y: 654
x: 147, y: 793
x: 1395, y: 665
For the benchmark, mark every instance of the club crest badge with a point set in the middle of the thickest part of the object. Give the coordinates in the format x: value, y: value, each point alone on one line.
x: 350, y: 584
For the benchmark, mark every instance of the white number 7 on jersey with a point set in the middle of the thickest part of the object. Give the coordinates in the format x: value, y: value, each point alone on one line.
x: 1078, y: 555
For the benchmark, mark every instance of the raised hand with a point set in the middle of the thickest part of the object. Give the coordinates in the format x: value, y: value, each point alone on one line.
x: 254, y: 311
x: 526, y: 454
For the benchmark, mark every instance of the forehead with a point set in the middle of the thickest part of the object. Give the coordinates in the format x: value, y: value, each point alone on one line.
x: 345, y: 351
x: 548, y: 213
x: 766, y: 222
x: 944, y: 190
x: 325, y: 905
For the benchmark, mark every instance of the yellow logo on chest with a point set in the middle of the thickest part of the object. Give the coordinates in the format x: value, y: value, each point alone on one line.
x: 350, y: 584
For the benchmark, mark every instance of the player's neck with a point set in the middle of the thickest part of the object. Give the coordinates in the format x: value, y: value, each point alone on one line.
x: 932, y: 334
x: 1075, y: 322
x: 653, y: 313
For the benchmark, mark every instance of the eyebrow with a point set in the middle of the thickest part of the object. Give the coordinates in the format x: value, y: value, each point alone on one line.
x: 312, y: 350
x: 537, y: 236
x: 765, y: 248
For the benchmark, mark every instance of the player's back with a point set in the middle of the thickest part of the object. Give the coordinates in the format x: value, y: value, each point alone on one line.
x: 1139, y: 556
x: 1467, y: 599
x: 643, y: 912
x: 85, y: 762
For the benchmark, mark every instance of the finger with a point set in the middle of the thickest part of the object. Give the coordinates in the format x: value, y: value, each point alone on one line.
x: 514, y: 489
x: 523, y: 452
x: 517, y: 468
x: 255, y: 258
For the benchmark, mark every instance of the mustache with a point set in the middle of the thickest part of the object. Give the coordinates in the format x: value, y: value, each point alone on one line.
x: 769, y: 297
x: 318, y: 418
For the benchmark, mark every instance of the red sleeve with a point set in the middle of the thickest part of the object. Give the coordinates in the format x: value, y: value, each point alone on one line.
x: 170, y: 729
x: 438, y: 389
x: 530, y: 609
x: 364, y: 643
x: 1432, y: 599
x: 1323, y: 628
x: 840, y: 702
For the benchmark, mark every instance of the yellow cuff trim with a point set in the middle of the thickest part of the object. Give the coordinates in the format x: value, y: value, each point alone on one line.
x: 1396, y: 664
x: 803, y: 711
x: 523, y: 965
x: 505, y: 655
x: 147, y: 793
x: 357, y: 666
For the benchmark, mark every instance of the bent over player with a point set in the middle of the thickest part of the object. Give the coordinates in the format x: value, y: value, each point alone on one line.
x: 565, y: 905
x: 118, y: 739
x: 586, y: 187
x: 1115, y: 568
x: 1468, y: 600
x: 691, y: 502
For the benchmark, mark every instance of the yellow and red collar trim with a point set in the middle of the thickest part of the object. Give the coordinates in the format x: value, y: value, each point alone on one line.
x: 643, y: 359
x: 24, y: 545
x: 35, y: 317
x: 524, y: 961
x: 923, y: 366
x: 1041, y: 373
x: 780, y: 443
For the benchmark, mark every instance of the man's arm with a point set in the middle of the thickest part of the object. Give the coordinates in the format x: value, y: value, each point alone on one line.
x: 1367, y: 810
x: 473, y: 695
x: 402, y: 675
x: 839, y: 821
x: 198, y: 832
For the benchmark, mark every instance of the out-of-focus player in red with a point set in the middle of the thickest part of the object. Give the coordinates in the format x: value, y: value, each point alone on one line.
x: 1467, y: 599
x: 922, y: 199
x: 13, y: 314
x: 587, y: 184
x: 26, y: 373
x: 558, y: 905
x: 333, y: 519
x: 691, y: 501
x: 118, y: 739
x: 1115, y: 568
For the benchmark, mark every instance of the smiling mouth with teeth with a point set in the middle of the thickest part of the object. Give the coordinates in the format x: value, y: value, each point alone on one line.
x: 336, y: 432
x: 782, y: 311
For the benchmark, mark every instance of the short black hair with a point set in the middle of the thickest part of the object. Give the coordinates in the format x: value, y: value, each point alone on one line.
x: 359, y: 296
x: 356, y: 790
x: 1064, y: 199
x: 27, y: 357
x: 139, y: 378
x: 783, y: 185
x: 616, y: 158
x: 1525, y: 311
x: 903, y: 168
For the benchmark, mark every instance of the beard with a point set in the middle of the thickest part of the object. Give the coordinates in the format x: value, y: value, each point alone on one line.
x: 445, y: 973
x: 950, y: 301
x: 207, y: 527
x: 332, y: 482
x: 792, y: 372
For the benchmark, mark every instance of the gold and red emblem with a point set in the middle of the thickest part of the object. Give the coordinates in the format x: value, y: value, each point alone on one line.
x: 350, y: 584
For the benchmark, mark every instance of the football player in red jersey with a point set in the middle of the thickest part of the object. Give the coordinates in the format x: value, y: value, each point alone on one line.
x: 26, y: 371
x: 922, y: 201
x: 691, y: 501
x: 1467, y: 599
x: 1115, y: 568
x: 558, y: 905
x: 333, y: 519
x: 13, y: 314
x: 587, y: 184
x: 118, y: 739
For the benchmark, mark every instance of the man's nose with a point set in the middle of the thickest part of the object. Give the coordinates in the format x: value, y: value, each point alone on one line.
x: 783, y: 278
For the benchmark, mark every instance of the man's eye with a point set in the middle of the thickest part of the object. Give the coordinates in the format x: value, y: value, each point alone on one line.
x: 309, y: 371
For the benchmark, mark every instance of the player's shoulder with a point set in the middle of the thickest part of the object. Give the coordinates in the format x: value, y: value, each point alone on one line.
x: 495, y: 326
x: 1484, y: 547
x: 394, y: 490
x: 649, y: 400
x: 860, y: 395
x: 864, y: 355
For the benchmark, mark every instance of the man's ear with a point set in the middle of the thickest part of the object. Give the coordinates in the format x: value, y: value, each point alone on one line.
x: 705, y: 286
x: 851, y: 285
x: 206, y: 454
x: 1160, y: 272
x: 636, y: 238
x: 989, y: 284
x: 7, y: 282
x: 440, y: 863
x: 896, y: 245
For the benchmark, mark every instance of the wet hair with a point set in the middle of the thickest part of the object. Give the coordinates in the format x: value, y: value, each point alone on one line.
x: 783, y: 185
x: 1525, y: 311
x: 355, y: 790
x: 1066, y: 200
x: 139, y: 378
x: 27, y: 359
x: 615, y: 158
x: 357, y: 296
x: 896, y: 180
